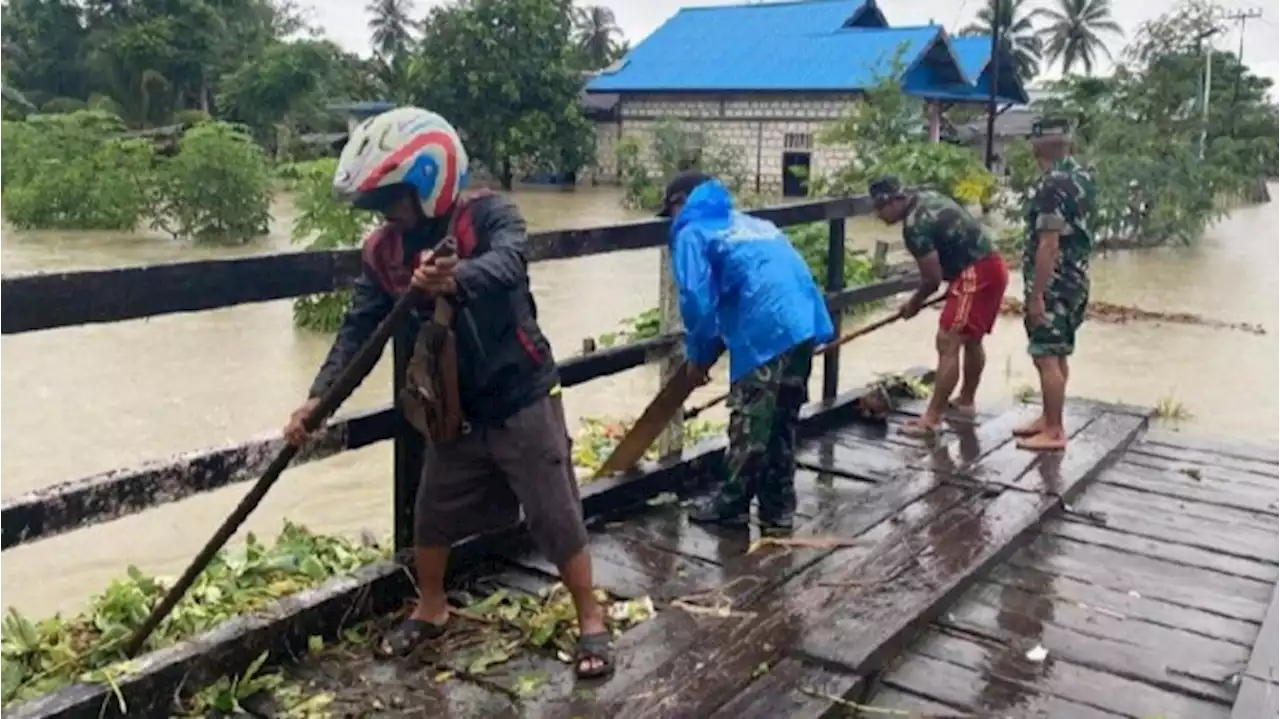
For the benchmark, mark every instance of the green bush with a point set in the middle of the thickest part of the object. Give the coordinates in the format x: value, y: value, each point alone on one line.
x: 217, y: 188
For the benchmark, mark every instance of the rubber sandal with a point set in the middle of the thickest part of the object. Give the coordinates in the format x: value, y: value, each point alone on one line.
x: 594, y: 647
x: 402, y: 639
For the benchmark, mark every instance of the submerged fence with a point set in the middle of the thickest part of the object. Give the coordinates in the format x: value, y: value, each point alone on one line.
x: 48, y: 301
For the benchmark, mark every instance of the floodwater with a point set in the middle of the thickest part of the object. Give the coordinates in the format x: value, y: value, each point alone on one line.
x: 87, y: 399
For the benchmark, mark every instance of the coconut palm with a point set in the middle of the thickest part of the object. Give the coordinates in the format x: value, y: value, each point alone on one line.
x: 1021, y: 40
x: 595, y: 30
x: 1075, y: 33
x: 390, y: 26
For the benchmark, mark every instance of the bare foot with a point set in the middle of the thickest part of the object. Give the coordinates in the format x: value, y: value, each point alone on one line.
x: 963, y: 410
x: 1028, y: 430
x: 1044, y: 442
x: 918, y: 428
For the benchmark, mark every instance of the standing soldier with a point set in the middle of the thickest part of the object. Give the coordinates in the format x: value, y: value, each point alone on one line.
x: 1055, y: 274
x: 745, y: 288
x: 492, y: 405
x: 948, y: 244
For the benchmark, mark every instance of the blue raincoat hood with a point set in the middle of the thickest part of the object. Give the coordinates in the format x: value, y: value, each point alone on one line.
x: 741, y: 284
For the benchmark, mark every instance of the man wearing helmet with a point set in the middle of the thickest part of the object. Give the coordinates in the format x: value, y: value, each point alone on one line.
x: 512, y: 450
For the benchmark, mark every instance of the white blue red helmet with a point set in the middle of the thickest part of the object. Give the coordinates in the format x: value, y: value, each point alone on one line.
x: 407, y: 146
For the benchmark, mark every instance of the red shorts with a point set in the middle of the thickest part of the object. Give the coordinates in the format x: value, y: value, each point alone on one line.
x: 974, y: 298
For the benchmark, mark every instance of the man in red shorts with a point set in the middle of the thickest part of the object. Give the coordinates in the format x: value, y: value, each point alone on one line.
x: 948, y: 244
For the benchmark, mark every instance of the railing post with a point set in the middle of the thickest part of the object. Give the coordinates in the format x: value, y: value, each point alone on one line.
x: 835, y: 283
x: 671, y: 441
x: 409, y: 447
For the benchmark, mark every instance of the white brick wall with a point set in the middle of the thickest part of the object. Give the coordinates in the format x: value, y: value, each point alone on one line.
x: 754, y: 124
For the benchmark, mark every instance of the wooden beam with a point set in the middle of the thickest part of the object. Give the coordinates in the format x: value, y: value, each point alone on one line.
x: 1263, y: 659
x: 61, y: 299
x: 102, y: 497
x: 283, y: 628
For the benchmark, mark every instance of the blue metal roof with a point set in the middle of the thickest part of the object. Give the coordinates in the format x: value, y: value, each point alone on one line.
x: 973, y: 52
x: 804, y: 45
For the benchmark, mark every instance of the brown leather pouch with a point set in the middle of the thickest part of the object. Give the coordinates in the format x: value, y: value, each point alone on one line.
x: 430, y: 398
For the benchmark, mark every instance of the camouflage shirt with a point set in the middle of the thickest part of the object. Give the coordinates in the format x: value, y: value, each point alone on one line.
x: 937, y: 223
x: 1063, y: 201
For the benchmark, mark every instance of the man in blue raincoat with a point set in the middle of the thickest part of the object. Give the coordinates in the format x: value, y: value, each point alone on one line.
x: 744, y: 288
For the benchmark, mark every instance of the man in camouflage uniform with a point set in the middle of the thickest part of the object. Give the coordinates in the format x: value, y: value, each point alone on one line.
x: 948, y: 245
x: 1055, y: 273
x: 744, y: 288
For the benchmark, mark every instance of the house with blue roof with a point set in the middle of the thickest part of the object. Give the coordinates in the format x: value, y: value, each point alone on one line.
x: 767, y: 77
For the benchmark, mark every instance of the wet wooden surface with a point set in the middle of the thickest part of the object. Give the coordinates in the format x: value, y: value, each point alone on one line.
x: 1145, y: 570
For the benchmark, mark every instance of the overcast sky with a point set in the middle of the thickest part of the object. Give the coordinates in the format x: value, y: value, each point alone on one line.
x: 346, y: 21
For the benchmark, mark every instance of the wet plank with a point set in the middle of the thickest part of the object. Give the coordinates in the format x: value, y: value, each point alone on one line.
x: 1015, y: 610
x: 871, y: 462
x: 1021, y: 621
x: 980, y: 690
x: 634, y: 569
x: 721, y: 656
x: 1258, y: 451
x: 1256, y: 699
x: 1262, y: 659
x: 1133, y: 607
x: 668, y: 528
x: 1171, y: 524
x: 1117, y: 535
x: 1005, y: 668
x: 1132, y: 500
x: 1193, y: 486
x: 1162, y: 457
x: 869, y: 625
x: 1009, y: 465
x: 791, y: 689
x: 890, y: 700
x: 1165, y: 581
x: 1183, y: 452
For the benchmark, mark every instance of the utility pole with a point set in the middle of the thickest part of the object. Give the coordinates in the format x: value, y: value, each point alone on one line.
x: 1207, y: 47
x: 995, y: 82
x: 1243, y: 18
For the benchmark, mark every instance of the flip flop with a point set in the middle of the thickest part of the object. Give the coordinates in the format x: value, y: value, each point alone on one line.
x: 916, y: 430
x: 1039, y: 443
x: 402, y: 639
x: 594, y: 648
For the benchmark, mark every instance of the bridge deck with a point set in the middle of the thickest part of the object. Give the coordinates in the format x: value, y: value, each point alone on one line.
x: 1129, y: 576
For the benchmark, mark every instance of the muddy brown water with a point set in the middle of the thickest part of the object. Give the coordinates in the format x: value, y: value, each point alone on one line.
x: 82, y: 400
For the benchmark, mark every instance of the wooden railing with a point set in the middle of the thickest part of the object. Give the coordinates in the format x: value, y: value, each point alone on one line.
x: 48, y: 301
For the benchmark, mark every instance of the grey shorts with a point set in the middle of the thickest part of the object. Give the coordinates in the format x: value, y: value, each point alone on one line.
x: 481, y: 482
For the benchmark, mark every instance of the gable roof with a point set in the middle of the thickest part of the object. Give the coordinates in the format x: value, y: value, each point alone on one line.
x: 973, y: 52
x: 796, y: 46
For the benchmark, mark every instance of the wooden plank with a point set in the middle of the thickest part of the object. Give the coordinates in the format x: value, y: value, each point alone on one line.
x: 635, y: 569
x: 1022, y: 620
x: 106, y: 496
x: 655, y: 418
x: 1170, y: 521
x: 1211, y: 489
x: 890, y: 700
x: 1262, y: 659
x: 980, y: 690
x: 1007, y: 668
x: 1266, y: 452
x: 668, y: 528
x: 1024, y: 610
x: 1008, y: 464
x: 1165, y: 456
x: 1119, y: 602
x: 774, y: 590
x: 791, y: 689
x: 1256, y: 699
x: 864, y: 629
x: 1161, y: 580
x: 1117, y: 536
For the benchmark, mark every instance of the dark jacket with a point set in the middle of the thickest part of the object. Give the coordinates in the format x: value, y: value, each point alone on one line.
x: 504, y: 361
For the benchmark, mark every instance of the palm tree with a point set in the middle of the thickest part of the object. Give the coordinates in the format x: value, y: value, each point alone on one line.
x: 1075, y: 30
x: 390, y: 26
x: 594, y: 31
x: 1021, y: 40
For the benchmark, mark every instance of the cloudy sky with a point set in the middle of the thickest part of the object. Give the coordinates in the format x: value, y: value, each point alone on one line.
x: 346, y: 21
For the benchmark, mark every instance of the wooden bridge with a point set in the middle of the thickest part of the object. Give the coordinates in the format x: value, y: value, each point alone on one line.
x: 1133, y: 575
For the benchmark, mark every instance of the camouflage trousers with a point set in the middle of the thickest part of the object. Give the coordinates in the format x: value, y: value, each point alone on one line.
x: 761, y: 459
x: 1065, y: 309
